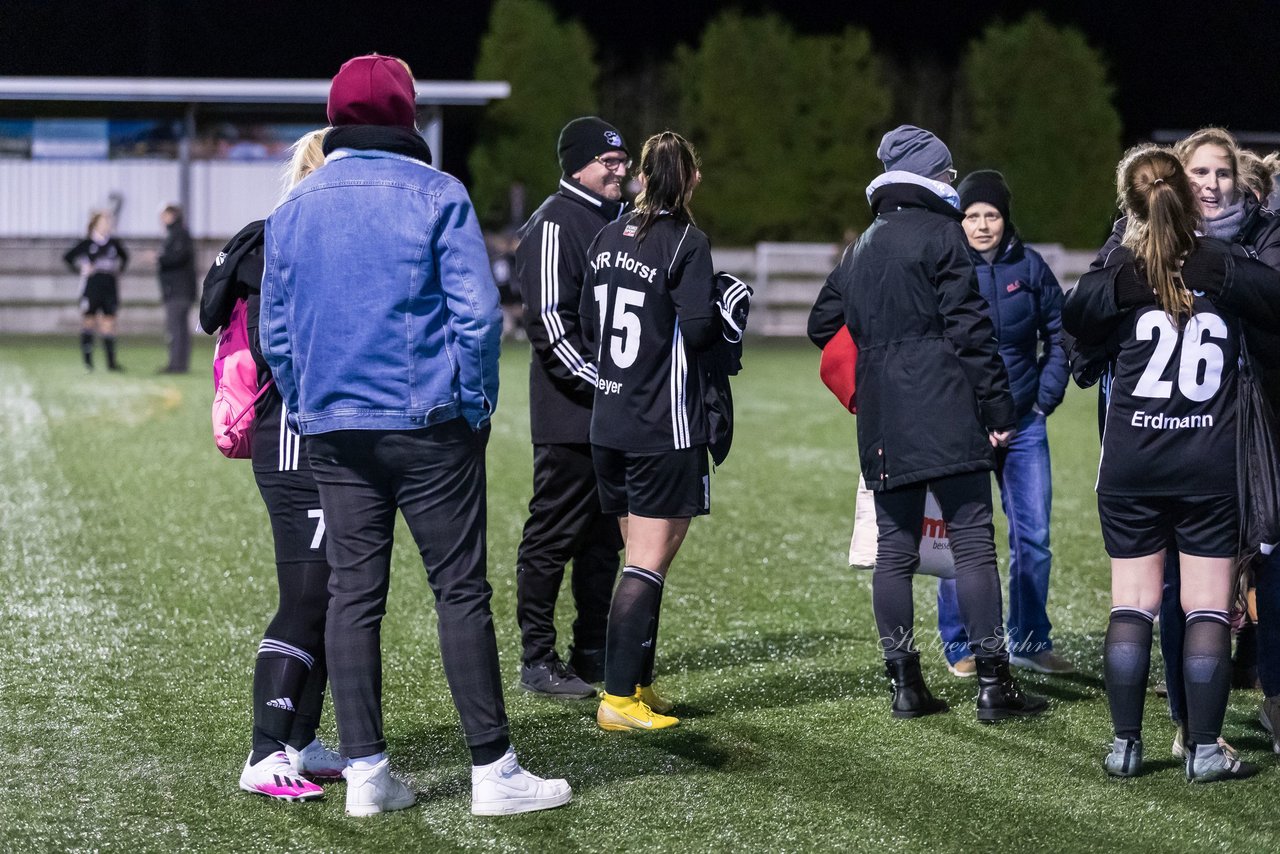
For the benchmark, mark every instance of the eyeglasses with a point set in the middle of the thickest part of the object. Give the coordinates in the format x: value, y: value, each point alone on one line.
x: 950, y: 173
x: 613, y: 164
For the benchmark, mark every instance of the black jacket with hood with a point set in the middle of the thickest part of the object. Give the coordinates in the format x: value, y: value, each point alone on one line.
x: 931, y: 383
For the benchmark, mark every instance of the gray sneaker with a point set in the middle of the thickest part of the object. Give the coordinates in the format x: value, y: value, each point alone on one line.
x: 1209, y: 763
x: 1125, y: 758
x: 556, y: 680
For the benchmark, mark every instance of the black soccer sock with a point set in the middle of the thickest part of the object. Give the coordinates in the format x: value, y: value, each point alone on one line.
x: 309, y: 705
x: 86, y: 347
x: 631, y: 620
x: 278, y: 679
x: 1126, y: 665
x: 490, y: 751
x: 1206, y: 668
x: 646, y: 675
x: 109, y: 344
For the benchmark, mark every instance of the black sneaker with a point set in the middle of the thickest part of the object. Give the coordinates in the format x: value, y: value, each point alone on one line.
x: 556, y: 680
x: 587, y: 663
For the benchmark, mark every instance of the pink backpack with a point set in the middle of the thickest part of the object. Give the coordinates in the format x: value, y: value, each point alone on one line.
x: 235, y: 386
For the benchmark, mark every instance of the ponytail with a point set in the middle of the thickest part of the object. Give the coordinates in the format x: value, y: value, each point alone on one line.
x: 1155, y: 190
x: 669, y: 165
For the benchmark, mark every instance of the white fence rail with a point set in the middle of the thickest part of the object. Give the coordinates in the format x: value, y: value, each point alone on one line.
x: 38, y: 294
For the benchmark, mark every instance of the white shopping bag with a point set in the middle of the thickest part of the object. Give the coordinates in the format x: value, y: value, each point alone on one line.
x: 935, y: 548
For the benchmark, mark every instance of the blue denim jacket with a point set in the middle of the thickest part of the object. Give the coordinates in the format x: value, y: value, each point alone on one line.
x: 379, y: 311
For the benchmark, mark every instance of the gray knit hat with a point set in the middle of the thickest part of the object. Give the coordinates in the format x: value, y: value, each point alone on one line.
x: 908, y: 148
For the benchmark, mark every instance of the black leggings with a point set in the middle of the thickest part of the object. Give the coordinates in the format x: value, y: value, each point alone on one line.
x: 965, y: 500
x: 290, y: 674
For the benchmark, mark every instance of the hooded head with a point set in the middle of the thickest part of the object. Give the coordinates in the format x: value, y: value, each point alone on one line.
x: 372, y: 90
x: 908, y: 148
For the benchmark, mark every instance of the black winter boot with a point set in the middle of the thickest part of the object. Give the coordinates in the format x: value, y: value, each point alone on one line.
x: 999, y: 696
x: 911, y: 697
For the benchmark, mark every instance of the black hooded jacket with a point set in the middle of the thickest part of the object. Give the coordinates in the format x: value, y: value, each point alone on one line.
x: 930, y: 380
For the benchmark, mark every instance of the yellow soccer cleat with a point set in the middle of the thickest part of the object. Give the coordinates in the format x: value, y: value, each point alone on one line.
x: 626, y: 714
x: 648, y: 696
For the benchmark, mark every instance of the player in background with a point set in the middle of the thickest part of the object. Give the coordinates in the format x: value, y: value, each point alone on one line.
x: 648, y: 301
x: 99, y: 259
x: 1166, y: 316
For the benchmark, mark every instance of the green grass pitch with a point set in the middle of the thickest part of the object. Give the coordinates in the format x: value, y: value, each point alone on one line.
x: 139, y: 577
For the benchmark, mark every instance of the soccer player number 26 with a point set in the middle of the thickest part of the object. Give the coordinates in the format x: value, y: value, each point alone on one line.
x: 624, y: 344
x: 1200, y: 367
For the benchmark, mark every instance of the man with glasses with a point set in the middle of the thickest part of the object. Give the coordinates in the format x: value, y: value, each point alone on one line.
x: 565, y: 523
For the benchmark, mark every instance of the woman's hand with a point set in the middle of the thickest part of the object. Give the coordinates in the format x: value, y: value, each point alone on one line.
x: 1001, y: 438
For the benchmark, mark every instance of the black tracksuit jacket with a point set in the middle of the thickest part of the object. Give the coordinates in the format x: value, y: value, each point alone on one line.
x: 551, y: 262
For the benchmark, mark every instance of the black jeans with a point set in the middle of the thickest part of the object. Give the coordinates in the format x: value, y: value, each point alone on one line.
x: 965, y: 500
x: 565, y: 524
x: 436, y: 478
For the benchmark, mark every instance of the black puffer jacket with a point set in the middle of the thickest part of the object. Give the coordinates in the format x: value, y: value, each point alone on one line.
x: 930, y: 380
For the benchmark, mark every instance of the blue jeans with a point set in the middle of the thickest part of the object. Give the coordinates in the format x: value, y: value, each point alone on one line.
x: 1026, y: 494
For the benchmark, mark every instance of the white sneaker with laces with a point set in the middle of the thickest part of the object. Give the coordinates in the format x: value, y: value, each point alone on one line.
x: 504, y: 788
x: 274, y: 777
x: 373, y: 790
x: 316, y: 760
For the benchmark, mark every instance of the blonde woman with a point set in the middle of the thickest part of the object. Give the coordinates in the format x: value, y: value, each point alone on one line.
x: 99, y: 259
x: 289, y: 675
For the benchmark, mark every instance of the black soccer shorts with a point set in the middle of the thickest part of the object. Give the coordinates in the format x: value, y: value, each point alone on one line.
x: 100, y: 298
x: 1137, y: 526
x: 666, y: 485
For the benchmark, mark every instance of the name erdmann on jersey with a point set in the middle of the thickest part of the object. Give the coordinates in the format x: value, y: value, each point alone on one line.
x: 1160, y: 421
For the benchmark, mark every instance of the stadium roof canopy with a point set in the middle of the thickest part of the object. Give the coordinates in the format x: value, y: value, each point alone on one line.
x: 197, y: 90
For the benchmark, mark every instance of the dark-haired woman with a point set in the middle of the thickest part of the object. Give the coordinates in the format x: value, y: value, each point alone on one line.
x: 99, y: 259
x: 1166, y: 315
x: 648, y: 301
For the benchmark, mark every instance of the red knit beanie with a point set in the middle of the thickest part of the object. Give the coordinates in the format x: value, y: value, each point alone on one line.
x: 372, y: 90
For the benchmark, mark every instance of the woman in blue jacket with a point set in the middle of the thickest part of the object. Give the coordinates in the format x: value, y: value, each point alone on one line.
x: 1026, y: 308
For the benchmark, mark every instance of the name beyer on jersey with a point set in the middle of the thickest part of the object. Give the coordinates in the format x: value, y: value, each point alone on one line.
x: 623, y: 261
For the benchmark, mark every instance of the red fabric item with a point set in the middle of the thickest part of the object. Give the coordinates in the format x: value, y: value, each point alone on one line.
x: 372, y: 90
x: 839, y: 358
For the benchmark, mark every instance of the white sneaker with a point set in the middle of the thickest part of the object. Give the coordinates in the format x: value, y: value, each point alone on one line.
x: 504, y: 788
x: 373, y: 790
x: 274, y: 777
x: 316, y: 760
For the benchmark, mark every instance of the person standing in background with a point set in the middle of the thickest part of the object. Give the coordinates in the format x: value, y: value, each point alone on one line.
x: 99, y: 259
x: 1026, y: 308
x: 177, y: 271
x: 565, y: 522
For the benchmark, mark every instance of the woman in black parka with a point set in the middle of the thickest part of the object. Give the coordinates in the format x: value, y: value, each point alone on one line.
x: 933, y: 400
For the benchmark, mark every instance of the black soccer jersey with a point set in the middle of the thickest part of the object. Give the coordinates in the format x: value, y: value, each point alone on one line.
x: 1170, y: 425
x: 634, y: 296
x: 106, y: 261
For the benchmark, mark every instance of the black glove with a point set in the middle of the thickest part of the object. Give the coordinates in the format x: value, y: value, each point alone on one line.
x: 1205, y: 270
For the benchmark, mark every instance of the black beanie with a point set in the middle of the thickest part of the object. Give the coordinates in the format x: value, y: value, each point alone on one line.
x: 585, y: 139
x: 986, y: 185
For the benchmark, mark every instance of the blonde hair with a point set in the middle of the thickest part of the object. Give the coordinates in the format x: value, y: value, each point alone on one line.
x: 1163, y: 216
x: 305, y: 156
x: 94, y: 216
x: 1258, y: 173
x: 1185, y: 149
